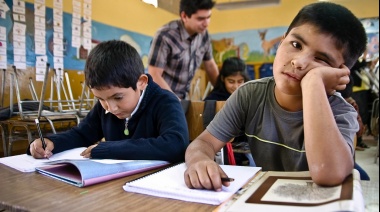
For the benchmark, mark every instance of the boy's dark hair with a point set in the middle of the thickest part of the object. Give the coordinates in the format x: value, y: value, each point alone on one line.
x: 192, y: 6
x: 339, y: 22
x: 231, y: 66
x: 113, y: 63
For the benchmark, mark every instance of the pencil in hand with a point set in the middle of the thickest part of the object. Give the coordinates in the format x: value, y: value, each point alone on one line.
x: 40, y: 133
x: 227, y: 179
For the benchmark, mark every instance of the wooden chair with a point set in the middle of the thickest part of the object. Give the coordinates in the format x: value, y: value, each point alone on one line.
x: 195, y: 117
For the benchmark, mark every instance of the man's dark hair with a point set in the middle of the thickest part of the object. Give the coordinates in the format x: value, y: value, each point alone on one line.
x: 192, y: 6
x: 113, y: 63
x: 337, y: 21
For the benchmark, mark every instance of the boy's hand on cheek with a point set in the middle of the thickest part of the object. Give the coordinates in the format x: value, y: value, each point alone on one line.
x: 333, y: 78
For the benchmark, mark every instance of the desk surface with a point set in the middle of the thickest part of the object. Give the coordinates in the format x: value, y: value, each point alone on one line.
x: 35, y: 192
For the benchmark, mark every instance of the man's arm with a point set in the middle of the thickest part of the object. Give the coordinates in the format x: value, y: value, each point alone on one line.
x: 203, y: 171
x: 211, y: 70
x: 156, y: 74
x: 329, y: 157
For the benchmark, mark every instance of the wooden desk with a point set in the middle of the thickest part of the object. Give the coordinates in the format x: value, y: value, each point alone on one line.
x: 36, y: 192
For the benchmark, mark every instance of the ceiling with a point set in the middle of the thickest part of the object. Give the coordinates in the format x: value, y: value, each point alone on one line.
x: 172, y: 6
x: 169, y: 5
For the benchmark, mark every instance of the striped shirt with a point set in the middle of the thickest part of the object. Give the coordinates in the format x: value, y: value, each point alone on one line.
x: 179, y: 55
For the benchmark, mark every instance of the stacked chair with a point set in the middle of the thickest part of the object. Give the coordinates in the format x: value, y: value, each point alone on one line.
x: 59, y: 111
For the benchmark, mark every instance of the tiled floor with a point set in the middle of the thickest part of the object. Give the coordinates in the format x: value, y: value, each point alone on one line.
x: 366, y: 159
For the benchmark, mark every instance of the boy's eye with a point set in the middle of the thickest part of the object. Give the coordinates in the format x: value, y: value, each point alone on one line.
x: 322, y: 60
x: 296, y: 45
x: 118, y: 97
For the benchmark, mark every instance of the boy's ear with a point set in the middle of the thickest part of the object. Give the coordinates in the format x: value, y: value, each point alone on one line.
x: 142, y: 82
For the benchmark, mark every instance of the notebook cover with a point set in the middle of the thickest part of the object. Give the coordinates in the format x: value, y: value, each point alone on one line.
x: 83, y: 173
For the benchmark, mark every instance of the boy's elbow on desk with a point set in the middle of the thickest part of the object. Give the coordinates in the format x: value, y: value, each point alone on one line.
x: 324, y: 178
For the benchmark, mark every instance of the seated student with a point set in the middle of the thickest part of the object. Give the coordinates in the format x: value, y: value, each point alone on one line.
x: 294, y: 121
x: 137, y: 119
x: 232, y: 74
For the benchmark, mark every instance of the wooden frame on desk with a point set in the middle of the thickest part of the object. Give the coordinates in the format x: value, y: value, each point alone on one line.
x: 35, y: 192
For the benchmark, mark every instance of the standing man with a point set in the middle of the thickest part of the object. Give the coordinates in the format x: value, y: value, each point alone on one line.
x: 180, y: 46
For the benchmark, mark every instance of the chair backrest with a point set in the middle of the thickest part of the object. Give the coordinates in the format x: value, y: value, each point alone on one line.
x: 31, y: 109
x: 195, y: 119
x: 86, y: 100
x: 27, y: 104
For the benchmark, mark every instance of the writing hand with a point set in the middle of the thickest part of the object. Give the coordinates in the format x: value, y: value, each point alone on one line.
x: 37, y: 150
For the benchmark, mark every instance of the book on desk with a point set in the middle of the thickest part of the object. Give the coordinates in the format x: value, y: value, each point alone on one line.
x: 295, y: 191
x: 255, y: 190
x: 70, y: 167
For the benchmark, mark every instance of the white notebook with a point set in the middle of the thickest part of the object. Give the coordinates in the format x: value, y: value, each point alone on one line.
x: 170, y: 183
x: 26, y: 163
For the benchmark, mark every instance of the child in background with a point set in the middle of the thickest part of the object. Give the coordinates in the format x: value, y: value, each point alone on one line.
x: 232, y: 74
x: 295, y: 120
x: 137, y: 119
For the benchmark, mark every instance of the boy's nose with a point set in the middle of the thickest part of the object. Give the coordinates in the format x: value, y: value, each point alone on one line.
x: 111, y: 107
x: 300, y: 63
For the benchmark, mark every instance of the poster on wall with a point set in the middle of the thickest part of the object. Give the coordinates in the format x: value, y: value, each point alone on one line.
x: 58, y: 36
x: 371, y: 26
x: 257, y: 47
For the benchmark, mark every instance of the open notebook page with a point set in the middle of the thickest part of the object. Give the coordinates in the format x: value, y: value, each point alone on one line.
x: 170, y: 183
x: 27, y: 163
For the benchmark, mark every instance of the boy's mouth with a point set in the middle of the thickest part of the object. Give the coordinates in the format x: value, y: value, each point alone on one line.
x: 293, y: 76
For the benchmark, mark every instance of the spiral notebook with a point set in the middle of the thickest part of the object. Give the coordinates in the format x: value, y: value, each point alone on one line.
x: 170, y: 183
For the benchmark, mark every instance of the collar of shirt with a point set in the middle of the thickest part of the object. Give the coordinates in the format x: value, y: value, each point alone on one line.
x: 137, y: 106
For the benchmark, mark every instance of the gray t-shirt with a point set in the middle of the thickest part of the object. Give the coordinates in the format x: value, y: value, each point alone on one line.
x: 275, y: 136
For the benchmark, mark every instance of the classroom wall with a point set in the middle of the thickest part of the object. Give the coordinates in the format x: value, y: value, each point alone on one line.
x: 134, y: 16
x: 147, y: 19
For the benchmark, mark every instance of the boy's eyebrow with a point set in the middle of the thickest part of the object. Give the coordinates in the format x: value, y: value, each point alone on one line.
x: 110, y: 96
x: 324, y: 54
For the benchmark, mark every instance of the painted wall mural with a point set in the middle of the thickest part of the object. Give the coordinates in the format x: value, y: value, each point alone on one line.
x: 256, y: 46
x: 253, y: 46
x: 74, y: 58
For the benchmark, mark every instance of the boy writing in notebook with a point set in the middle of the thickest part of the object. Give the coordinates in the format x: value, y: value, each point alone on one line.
x: 137, y: 119
x: 294, y: 121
